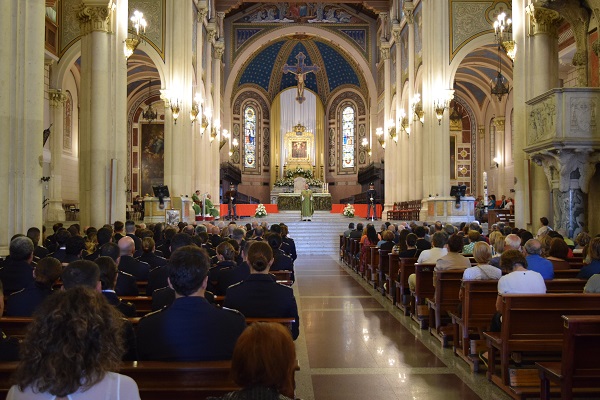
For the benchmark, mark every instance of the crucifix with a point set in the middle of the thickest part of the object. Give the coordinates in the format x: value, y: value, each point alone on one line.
x: 300, y: 70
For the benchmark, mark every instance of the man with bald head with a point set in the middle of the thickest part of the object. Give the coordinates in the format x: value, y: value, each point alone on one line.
x: 127, y: 263
x: 511, y: 242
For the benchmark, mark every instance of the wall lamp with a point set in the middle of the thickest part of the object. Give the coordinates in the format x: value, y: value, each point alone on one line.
x: 234, y: 145
x: 215, y: 130
x: 196, y: 107
x: 417, y: 108
x: 392, y: 130
x: 380, y: 138
x: 497, y: 161
x: 175, y: 109
x: 365, y: 145
x: 139, y: 28
x: 404, y: 123
x: 442, y: 103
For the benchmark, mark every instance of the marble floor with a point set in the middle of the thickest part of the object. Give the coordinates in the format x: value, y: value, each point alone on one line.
x: 354, y: 345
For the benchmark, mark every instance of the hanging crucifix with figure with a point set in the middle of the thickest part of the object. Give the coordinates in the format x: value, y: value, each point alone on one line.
x: 300, y: 70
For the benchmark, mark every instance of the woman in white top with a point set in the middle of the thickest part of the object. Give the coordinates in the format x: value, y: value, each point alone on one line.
x: 74, y: 341
x: 482, y: 252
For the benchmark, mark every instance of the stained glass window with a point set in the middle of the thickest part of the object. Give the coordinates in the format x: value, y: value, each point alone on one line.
x: 249, y: 137
x: 348, y: 137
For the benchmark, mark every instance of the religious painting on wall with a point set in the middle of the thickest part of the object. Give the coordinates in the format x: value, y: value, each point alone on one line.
x: 152, y: 156
x: 299, y: 149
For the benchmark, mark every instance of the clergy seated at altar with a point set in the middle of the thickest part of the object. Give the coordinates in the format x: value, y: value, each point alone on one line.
x: 306, y: 197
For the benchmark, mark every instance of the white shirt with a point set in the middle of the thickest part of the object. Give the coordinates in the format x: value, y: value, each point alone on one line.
x: 432, y: 255
x: 480, y: 272
x: 112, y: 387
x: 522, y: 282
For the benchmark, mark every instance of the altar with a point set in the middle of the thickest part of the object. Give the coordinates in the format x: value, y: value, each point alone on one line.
x: 292, y: 202
x: 172, y: 211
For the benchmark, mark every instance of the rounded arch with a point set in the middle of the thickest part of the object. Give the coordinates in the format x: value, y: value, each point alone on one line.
x: 466, y: 49
x: 344, y: 46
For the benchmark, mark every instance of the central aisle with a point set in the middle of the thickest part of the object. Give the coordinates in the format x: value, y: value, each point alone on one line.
x: 353, y: 345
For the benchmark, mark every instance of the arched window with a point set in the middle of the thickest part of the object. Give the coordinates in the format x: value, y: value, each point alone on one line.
x: 348, y: 136
x: 249, y: 137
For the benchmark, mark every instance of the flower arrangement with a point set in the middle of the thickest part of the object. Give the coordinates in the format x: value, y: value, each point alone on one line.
x: 261, y: 211
x: 349, y: 211
x: 288, y: 179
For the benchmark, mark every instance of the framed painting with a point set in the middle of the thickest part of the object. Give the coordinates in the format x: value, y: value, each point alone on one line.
x: 152, y: 169
x: 298, y: 147
x: 172, y: 217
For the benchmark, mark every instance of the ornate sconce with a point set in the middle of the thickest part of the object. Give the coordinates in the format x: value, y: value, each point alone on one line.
x: 392, y: 130
x: 380, y: 138
x: 365, y: 145
x: 196, y: 107
x: 139, y: 28
x: 215, y: 130
x: 175, y: 109
x: 442, y: 103
x: 404, y: 123
x: 417, y: 108
x: 234, y: 146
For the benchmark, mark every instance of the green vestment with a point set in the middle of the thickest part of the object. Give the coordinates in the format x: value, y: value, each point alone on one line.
x: 306, y: 197
x: 210, y: 208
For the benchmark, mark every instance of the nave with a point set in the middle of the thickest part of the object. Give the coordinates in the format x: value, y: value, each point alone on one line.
x: 354, y: 345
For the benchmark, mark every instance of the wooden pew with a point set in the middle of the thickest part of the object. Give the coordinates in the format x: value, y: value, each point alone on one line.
x: 342, y: 246
x: 382, y: 270
x: 285, y: 321
x: 406, y: 267
x: 423, y: 289
x: 565, y: 273
x: 371, y: 264
x: 565, y: 285
x: 282, y: 275
x: 17, y: 326
x: 445, y: 300
x: 143, y: 304
x: 478, y: 307
x: 531, y: 323
x: 164, y: 380
x: 391, y: 276
x: 354, y: 254
x: 579, y: 370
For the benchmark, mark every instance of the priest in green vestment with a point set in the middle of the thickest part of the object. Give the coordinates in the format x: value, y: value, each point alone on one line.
x: 196, y: 203
x: 307, y: 210
x: 210, y: 209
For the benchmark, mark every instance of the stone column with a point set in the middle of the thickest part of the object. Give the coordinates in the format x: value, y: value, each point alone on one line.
x: 103, y: 96
x: 569, y: 172
x: 499, y: 122
x: 391, y: 149
x: 55, y: 208
x: 200, y: 164
x: 402, y: 185
x: 21, y: 117
x: 413, y: 145
x: 542, y: 77
x: 219, y: 49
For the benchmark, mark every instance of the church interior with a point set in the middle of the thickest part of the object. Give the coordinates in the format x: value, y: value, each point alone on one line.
x: 103, y: 100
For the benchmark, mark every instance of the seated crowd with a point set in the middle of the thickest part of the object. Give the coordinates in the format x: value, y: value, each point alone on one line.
x: 183, y: 269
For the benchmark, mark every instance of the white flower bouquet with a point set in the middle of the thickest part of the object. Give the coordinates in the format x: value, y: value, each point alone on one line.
x: 261, y: 211
x: 349, y: 211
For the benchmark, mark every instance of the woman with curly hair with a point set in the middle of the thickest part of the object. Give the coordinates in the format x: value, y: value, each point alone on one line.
x: 71, y: 347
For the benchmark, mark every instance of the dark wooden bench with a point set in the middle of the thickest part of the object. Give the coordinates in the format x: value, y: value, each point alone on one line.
x: 370, y: 264
x: 354, y: 254
x: 391, y: 276
x: 17, y: 326
x: 164, y: 380
x: 342, y: 246
x: 143, y: 304
x: 579, y: 369
x: 478, y: 307
x: 423, y: 290
x: 406, y: 267
x: 282, y: 275
x: 531, y: 324
x: 445, y: 300
x: 382, y: 270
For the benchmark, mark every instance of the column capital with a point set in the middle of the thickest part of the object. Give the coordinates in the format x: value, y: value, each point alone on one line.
x: 202, y: 13
x: 219, y: 49
x: 93, y: 18
x: 383, y: 17
x: 409, y: 13
x: 211, y: 28
x: 56, y: 97
x: 566, y: 165
x: 481, y: 131
x: 499, y: 123
x: 385, y: 50
x: 396, y: 32
x: 543, y: 20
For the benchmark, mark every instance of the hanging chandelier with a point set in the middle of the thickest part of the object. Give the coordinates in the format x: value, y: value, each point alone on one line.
x: 149, y: 114
x: 499, y: 85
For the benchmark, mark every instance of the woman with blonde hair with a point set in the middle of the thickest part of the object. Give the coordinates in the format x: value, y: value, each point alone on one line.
x: 74, y: 343
x: 263, y: 363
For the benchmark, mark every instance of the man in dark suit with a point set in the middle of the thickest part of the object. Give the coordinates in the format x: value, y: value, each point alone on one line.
x: 118, y: 228
x: 357, y: 233
x: 9, y: 346
x: 191, y: 329
x: 16, y: 272
x: 130, y: 231
x: 128, y: 264
x: 50, y: 242
x: 24, y: 302
x: 104, y: 235
x: 230, y: 276
x: 261, y: 296
x: 108, y: 279
x: 61, y: 238
x: 158, y: 277
x: 281, y: 261
x: 34, y: 234
x: 372, y: 202
x: 126, y: 283
x: 230, y: 198
x: 149, y: 256
x: 168, y: 235
x: 74, y: 248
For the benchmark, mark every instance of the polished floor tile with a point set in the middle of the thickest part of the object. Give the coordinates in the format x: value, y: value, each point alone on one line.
x: 355, y: 345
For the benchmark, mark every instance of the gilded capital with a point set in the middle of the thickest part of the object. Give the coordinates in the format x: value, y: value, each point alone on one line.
x: 93, y: 18
x: 219, y: 49
x: 385, y: 50
x: 481, y: 131
x: 499, y: 123
x: 212, y: 30
x: 202, y: 13
x: 396, y: 33
x: 56, y: 97
x: 543, y: 20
